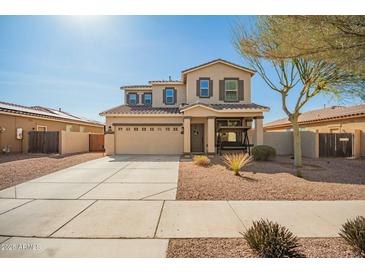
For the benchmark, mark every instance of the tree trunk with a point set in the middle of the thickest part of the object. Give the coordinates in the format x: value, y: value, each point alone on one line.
x: 297, y: 142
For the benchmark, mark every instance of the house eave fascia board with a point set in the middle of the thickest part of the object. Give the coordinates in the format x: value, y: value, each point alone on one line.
x: 226, y: 110
x: 139, y: 115
x: 172, y: 83
x: 60, y: 120
x: 136, y: 89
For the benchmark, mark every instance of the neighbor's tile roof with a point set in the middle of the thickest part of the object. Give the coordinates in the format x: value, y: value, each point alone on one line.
x: 125, y: 109
x: 329, y: 113
x: 44, y: 112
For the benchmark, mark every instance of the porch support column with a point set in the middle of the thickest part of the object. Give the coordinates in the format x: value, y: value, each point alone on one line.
x: 211, y: 135
x: 259, y: 131
x: 187, y: 145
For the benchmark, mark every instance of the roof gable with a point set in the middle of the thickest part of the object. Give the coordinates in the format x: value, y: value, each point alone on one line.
x: 218, y: 61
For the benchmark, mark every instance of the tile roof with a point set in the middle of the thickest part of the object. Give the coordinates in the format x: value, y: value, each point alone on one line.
x: 44, y: 112
x: 228, y: 106
x: 329, y: 113
x: 125, y: 109
x: 218, y: 60
x: 136, y: 87
x: 174, y: 82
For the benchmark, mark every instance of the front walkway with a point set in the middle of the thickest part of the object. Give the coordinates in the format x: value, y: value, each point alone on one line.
x: 125, y: 207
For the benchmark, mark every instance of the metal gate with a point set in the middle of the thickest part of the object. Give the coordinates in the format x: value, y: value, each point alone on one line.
x: 96, y: 142
x: 335, y: 144
x: 43, y: 142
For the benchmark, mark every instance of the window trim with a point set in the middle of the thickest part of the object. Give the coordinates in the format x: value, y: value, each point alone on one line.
x: 128, y: 98
x: 40, y: 126
x: 173, y: 95
x: 237, y: 89
x: 200, y: 89
x: 144, y: 98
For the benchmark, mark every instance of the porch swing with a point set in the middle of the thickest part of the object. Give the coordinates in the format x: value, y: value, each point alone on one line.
x: 243, y: 144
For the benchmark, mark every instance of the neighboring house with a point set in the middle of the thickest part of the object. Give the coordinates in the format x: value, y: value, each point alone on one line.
x: 211, y: 103
x: 335, y: 119
x: 17, y: 121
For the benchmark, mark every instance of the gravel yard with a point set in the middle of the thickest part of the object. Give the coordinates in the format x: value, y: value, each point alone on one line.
x: 18, y: 168
x: 238, y: 248
x: 323, y: 179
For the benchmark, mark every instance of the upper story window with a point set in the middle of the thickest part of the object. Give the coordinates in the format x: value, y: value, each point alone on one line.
x: 132, y: 99
x: 147, y: 99
x: 231, y: 90
x: 204, y: 88
x: 169, y: 96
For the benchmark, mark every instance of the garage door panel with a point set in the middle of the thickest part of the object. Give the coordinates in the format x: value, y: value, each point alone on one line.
x: 149, y: 140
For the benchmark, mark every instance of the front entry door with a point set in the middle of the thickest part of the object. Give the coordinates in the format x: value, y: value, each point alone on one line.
x: 197, y: 138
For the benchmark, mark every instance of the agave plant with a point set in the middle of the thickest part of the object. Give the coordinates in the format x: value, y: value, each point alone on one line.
x: 353, y: 232
x: 236, y: 161
x: 271, y: 240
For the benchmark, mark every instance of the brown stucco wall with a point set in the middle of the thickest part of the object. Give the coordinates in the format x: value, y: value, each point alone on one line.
x: 12, y: 122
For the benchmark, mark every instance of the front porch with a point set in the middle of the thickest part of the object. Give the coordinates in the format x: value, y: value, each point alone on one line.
x: 211, y: 134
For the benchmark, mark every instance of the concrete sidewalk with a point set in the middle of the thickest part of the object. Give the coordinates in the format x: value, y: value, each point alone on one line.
x: 67, y: 227
x: 125, y: 207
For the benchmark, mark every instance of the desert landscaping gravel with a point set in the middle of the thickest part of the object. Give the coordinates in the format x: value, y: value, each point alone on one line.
x: 18, y: 168
x: 238, y: 248
x: 322, y: 179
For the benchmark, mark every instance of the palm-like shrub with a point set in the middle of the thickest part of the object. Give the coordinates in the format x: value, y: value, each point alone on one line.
x: 271, y: 240
x: 236, y: 161
x: 353, y: 232
x: 201, y: 160
x: 263, y: 153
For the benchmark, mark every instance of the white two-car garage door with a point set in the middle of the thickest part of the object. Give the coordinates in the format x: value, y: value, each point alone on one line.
x: 149, y: 139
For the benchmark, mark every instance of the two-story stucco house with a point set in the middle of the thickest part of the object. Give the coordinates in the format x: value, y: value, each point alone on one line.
x: 211, y: 104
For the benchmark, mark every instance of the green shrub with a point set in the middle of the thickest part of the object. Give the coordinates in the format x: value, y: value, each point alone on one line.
x: 201, y: 160
x: 353, y: 232
x: 236, y: 161
x: 271, y: 240
x: 263, y: 153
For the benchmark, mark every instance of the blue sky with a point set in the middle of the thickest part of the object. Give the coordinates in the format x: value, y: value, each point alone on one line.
x: 78, y: 63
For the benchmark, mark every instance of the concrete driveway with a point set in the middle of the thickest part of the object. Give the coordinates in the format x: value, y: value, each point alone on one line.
x: 97, y: 203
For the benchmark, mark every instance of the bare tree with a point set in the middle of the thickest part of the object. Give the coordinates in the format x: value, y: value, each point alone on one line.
x: 301, y: 78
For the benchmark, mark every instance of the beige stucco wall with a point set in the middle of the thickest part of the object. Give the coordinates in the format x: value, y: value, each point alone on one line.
x: 73, y: 142
x: 310, y: 144
x: 216, y: 72
x: 281, y: 141
x: 157, y: 93
x: 109, y: 142
x: 341, y: 126
x: 12, y: 122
